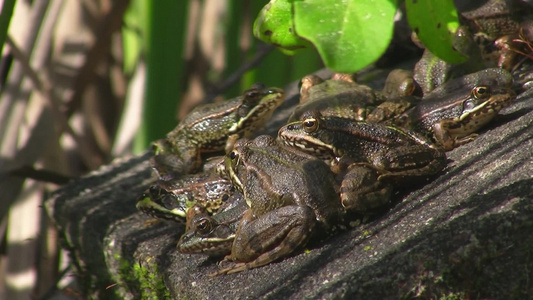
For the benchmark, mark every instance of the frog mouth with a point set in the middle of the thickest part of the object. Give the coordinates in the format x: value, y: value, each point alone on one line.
x: 481, y: 115
x: 274, y: 97
x: 211, y: 245
x: 312, y: 146
x: 155, y: 207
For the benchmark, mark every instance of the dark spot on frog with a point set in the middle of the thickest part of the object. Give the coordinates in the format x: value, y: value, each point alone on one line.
x: 415, y: 1
x: 268, y: 32
x: 439, y: 25
x: 290, y: 29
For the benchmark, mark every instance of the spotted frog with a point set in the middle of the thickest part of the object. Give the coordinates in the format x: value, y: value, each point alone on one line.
x: 452, y: 113
x: 207, y: 128
x: 171, y: 198
x: 398, y: 154
x: 209, y: 234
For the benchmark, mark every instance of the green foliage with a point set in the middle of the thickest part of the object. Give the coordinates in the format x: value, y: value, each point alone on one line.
x: 274, y: 69
x: 435, y: 23
x: 146, y: 278
x: 165, y: 30
x: 154, y: 30
x: 348, y: 35
x: 134, y: 34
x: 352, y: 34
x: 5, y: 19
x: 274, y: 25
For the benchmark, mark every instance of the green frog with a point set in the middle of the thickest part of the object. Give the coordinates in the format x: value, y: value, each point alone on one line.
x: 214, y: 127
x: 290, y: 194
x: 212, y: 235
x: 171, y: 198
x: 342, y: 96
x: 452, y: 113
x: 398, y: 154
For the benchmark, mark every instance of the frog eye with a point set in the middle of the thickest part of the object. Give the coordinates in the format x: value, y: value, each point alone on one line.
x: 252, y: 94
x: 481, y: 92
x: 168, y: 201
x: 204, y: 226
x: 310, y: 125
x: 154, y: 190
x: 408, y: 87
x: 402, y: 119
x: 233, y: 155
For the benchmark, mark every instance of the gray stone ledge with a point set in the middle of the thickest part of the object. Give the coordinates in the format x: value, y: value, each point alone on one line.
x: 467, y: 233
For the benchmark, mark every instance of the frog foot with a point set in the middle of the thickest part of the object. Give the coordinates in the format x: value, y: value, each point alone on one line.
x: 228, y: 266
x: 234, y: 268
x: 405, y: 164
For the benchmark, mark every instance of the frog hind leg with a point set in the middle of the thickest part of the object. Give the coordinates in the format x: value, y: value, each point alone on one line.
x: 270, y: 237
x: 407, y: 163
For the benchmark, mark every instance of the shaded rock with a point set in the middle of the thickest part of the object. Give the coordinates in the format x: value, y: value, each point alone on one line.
x: 467, y: 233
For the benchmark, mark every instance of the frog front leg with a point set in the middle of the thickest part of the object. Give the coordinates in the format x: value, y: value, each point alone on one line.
x: 169, y: 159
x: 269, y: 237
x: 362, y: 191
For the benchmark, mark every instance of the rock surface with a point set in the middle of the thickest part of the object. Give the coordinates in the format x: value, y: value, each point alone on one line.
x: 466, y: 234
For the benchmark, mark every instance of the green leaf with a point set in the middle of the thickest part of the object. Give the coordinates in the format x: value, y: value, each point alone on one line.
x: 274, y: 25
x: 349, y: 35
x: 134, y: 34
x: 166, y: 22
x: 435, y: 22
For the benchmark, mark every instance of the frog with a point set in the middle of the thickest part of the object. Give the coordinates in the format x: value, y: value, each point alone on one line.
x: 212, y: 128
x: 400, y: 155
x: 290, y: 196
x: 401, y: 92
x: 212, y: 235
x: 451, y: 114
x: 170, y: 199
x: 342, y: 96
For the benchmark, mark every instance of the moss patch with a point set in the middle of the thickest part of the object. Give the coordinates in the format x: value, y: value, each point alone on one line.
x: 143, y: 278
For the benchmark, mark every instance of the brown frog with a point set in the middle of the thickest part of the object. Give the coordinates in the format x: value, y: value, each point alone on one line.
x: 341, y: 96
x: 290, y: 195
x: 452, y: 113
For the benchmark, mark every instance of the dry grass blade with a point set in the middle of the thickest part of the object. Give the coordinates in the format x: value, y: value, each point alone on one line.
x: 45, y: 88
